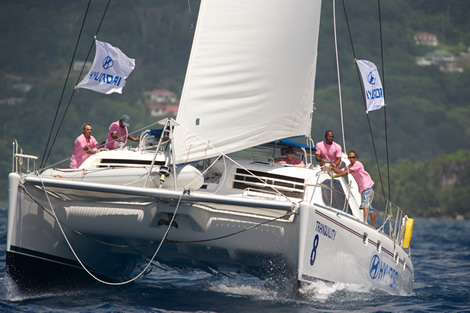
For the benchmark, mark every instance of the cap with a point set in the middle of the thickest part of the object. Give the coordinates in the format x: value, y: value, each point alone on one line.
x: 125, y: 119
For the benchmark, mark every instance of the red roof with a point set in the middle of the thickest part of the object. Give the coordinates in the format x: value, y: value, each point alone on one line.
x: 157, y: 106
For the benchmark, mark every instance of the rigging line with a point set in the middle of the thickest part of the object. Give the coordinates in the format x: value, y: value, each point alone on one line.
x: 190, y: 15
x: 385, y: 106
x: 288, y: 214
x: 63, y: 160
x: 63, y: 89
x: 364, y: 99
x: 78, y: 79
x: 79, y: 233
x: 83, y: 265
x: 189, y: 8
x: 339, y: 79
x: 349, y: 30
x: 232, y: 160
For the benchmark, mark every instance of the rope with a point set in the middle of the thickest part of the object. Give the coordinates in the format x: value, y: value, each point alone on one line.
x: 73, y: 92
x: 68, y: 159
x: 65, y: 83
x: 235, y: 162
x: 82, y: 234
x: 339, y: 79
x: 191, y: 27
x: 288, y: 214
x: 83, y: 265
x: 385, y: 106
x: 364, y: 100
x: 150, y: 262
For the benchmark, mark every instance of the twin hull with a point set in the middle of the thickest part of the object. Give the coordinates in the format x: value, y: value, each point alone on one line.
x: 114, y: 231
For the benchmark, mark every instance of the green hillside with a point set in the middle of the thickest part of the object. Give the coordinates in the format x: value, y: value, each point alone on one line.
x: 427, y: 106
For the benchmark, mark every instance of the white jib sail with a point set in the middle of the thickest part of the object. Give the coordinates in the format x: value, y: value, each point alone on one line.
x: 250, y: 76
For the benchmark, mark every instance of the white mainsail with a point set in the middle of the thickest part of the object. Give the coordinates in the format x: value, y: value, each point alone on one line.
x: 250, y: 77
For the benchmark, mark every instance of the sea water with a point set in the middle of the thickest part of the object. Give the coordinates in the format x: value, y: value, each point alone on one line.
x: 440, y: 254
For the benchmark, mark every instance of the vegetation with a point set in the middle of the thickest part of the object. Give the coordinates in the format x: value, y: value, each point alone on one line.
x: 427, y: 109
x: 435, y: 188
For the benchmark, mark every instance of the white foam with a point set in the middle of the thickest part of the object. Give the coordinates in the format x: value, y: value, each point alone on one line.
x: 323, y: 291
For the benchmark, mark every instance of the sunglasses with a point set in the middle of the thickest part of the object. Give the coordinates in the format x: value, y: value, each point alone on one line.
x: 330, y: 137
x: 88, y: 129
x: 352, y: 157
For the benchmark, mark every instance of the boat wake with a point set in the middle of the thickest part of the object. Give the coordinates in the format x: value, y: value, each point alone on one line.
x: 323, y: 292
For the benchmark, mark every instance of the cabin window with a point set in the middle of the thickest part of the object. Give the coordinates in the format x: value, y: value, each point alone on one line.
x: 333, y: 195
x: 288, y: 186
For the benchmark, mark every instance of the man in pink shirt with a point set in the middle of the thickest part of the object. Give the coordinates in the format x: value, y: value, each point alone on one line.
x: 118, y: 133
x: 290, y: 159
x: 328, y: 151
x: 364, y: 182
x: 85, y: 144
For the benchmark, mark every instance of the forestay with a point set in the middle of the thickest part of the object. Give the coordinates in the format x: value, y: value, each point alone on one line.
x: 250, y: 76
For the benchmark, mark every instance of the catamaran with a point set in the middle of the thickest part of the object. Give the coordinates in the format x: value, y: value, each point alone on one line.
x: 204, y: 190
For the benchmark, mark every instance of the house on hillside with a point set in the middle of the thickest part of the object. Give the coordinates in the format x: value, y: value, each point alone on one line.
x: 161, y: 102
x: 440, y: 56
x: 13, y: 77
x: 426, y: 39
x: 445, y: 60
x: 78, y: 65
x: 23, y: 87
x: 157, y: 109
x: 160, y: 96
x: 11, y: 101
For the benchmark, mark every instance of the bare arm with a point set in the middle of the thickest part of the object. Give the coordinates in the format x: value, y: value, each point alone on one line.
x: 338, y: 172
x: 114, y: 136
x: 133, y: 138
x: 338, y: 161
x: 88, y: 150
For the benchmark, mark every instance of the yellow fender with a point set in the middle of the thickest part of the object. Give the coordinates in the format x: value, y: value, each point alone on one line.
x: 408, y: 233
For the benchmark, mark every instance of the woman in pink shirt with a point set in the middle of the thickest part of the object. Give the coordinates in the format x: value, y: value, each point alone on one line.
x: 85, y: 144
x: 364, y: 182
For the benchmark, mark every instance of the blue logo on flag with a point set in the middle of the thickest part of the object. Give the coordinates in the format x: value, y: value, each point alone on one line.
x: 107, y: 63
x: 371, y: 78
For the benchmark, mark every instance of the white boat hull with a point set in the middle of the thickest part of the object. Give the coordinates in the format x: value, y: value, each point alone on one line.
x: 337, y: 248
x: 109, y: 218
x: 115, y: 230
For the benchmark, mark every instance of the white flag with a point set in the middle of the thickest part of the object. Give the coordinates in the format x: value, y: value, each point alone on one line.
x: 109, y: 71
x: 372, y: 85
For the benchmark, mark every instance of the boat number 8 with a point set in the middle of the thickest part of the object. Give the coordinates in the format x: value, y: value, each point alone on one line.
x: 313, y: 255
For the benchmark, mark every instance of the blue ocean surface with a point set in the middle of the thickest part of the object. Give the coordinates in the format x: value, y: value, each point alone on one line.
x: 440, y: 254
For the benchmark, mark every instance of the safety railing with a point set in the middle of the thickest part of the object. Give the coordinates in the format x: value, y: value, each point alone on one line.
x: 22, y: 162
x: 396, y: 223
